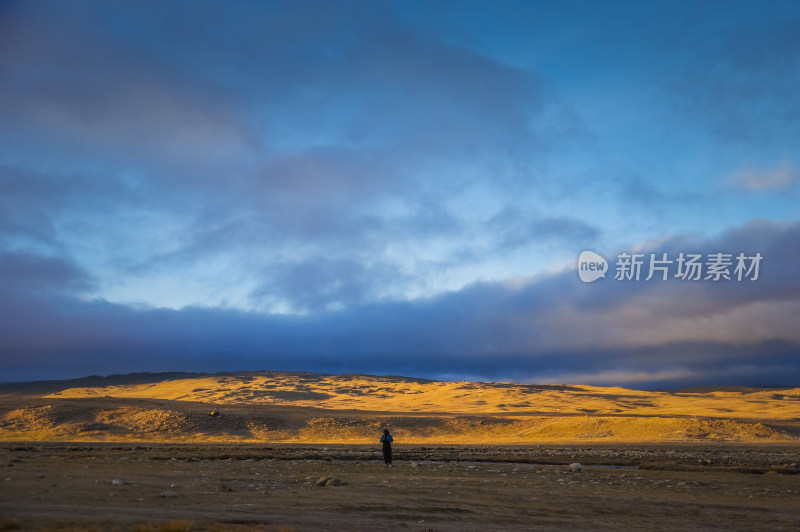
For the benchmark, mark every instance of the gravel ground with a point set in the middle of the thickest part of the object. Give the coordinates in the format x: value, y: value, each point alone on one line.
x: 146, y: 487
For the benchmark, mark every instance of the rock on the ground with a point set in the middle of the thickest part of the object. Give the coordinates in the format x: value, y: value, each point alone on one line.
x: 329, y: 481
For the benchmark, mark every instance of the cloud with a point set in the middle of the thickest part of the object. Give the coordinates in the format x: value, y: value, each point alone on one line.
x: 513, y: 228
x: 781, y: 178
x: 29, y: 274
x: 554, y: 327
x: 330, y: 187
x: 321, y: 283
x: 111, y: 77
x: 742, y: 80
x: 272, y: 139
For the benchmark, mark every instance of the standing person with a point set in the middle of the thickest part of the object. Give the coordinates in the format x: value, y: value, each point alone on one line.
x: 387, y: 440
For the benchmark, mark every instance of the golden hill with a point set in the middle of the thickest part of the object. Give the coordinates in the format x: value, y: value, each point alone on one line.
x: 306, y: 407
x: 399, y: 394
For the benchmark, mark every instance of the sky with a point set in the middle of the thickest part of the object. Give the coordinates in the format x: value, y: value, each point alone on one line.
x: 401, y: 188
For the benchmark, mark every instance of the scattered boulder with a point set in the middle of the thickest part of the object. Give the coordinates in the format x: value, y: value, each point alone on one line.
x: 118, y: 482
x: 575, y: 467
x: 169, y: 494
x: 329, y: 481
x: 214, y: 413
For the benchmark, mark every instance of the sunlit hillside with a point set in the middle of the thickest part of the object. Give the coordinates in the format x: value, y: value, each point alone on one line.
x: 399, y: 394
x: 307, y: 407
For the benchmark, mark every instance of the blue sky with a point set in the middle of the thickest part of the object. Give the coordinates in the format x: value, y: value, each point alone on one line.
x: 397, y: 187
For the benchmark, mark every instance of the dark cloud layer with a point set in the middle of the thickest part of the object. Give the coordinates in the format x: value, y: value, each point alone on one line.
x: 554, y: 328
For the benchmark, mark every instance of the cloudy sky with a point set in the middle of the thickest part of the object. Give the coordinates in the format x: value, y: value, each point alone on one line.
x: 399, y: 188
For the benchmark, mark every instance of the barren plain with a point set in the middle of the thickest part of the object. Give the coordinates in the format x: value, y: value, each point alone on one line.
x: 247, y: 451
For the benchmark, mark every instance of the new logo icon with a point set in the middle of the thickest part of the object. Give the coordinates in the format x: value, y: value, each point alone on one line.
x: 591, y: 266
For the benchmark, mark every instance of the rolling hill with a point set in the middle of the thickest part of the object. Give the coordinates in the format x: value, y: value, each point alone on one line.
x: 308, y: 407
